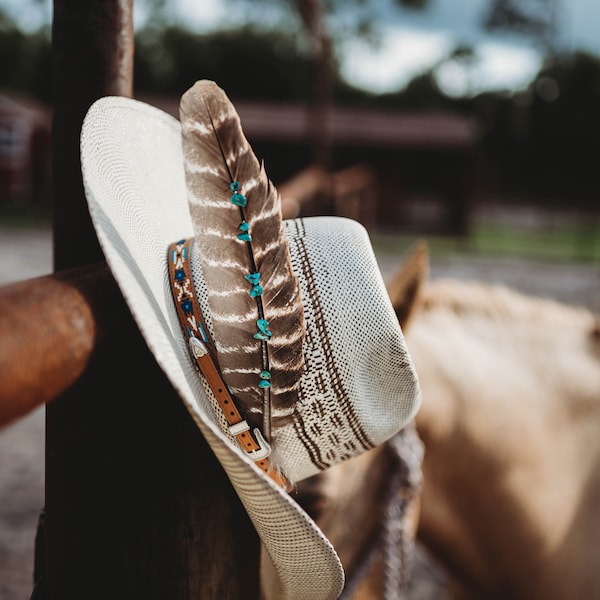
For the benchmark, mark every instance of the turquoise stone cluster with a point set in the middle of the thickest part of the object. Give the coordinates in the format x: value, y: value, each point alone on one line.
x: 263, y: 334
x: 256, y: 289
x: 245, y: 232
x: 265, y: 377
x: 237, y: 198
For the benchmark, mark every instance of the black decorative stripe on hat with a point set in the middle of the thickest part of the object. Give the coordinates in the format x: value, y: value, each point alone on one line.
x: 253, y: 294
x: 330, y: 431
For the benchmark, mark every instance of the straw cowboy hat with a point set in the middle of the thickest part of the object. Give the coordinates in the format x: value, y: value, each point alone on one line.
x: 278, y: 335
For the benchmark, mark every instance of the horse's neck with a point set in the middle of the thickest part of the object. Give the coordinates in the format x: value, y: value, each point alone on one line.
x: 511, y: 424
x: 499, y: 346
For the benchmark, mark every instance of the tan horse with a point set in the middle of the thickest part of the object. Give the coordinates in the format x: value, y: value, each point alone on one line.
x: 511, y: 426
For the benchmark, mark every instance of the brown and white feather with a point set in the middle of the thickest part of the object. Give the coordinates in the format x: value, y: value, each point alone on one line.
x: 216, y: 152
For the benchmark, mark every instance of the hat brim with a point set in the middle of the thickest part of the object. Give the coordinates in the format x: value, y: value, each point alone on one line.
x: 134, y: 181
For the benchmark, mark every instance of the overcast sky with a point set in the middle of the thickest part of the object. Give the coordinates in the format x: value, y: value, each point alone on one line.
x: 412, y: 41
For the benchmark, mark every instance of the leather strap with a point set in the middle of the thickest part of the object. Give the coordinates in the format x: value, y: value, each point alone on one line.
x: 204, y: 355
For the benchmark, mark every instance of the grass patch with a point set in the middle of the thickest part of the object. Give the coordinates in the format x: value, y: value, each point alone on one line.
x: 19, y: 216
x: 572, y: 243
x: 576, y: 243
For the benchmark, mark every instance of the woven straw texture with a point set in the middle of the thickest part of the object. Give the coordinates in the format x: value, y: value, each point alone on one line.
x: 134, y: 181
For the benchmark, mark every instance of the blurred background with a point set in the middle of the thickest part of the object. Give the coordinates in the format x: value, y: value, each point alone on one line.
x: 474, y: 119
x: 474, y: 124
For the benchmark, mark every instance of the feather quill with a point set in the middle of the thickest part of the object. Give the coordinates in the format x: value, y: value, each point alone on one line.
x: 236, y: 243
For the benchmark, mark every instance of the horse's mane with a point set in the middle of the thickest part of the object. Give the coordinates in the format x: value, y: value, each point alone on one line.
x: 501, y: 303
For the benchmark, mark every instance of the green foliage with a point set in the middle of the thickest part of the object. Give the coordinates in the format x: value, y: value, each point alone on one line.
x: 417, y: 4
x: 25, y: 62
x: 545, y: 142
x: 535, y: 19
x: 247, y: 63
x: 565, y: 123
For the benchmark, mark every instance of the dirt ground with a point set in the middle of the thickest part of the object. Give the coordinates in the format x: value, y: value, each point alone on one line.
x: 23, y: 254
x: 27, y: 253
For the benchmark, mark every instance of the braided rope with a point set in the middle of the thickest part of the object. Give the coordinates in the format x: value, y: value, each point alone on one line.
x: 398, y: 542
x: 394, y: 541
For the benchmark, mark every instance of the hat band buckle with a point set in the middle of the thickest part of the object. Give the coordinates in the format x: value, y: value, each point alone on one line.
x: 264, y: 447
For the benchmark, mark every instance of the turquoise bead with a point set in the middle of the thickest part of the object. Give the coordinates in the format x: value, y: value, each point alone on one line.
x: 263, y: 383
x: 234, y: 186
x: 244, y: 236
x: 253, y: 278
x: 256, y: 291
x: 261, y: 336
x: 244, y: 226
x: 265, y: 375
x: 263, y: 325
x: 239, y: 199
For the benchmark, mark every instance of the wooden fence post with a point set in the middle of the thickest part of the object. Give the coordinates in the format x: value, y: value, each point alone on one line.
x: 136, y: 504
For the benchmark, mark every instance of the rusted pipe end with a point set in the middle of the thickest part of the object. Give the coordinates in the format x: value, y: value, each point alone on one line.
x: 47, y: 334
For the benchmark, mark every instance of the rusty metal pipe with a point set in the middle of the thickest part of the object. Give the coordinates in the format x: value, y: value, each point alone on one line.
x: 48, y: 332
